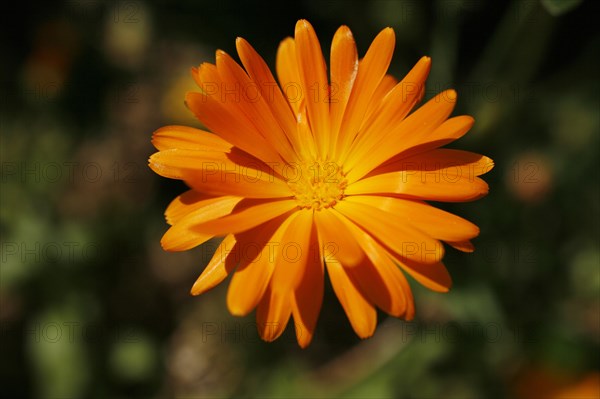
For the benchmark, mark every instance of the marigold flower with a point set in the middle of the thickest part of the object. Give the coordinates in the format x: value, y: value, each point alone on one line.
x: 318, y: 172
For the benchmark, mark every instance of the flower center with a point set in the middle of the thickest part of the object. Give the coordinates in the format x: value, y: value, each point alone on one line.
x: 316, y: 185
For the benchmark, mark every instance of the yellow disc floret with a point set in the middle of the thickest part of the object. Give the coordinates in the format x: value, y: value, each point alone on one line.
x: 316, y: 185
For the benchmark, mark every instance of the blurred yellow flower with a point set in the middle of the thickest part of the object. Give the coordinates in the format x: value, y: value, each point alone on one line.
x: 318, y: 171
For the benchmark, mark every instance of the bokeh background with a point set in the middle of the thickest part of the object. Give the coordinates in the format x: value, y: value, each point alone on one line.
x: 91, y: 306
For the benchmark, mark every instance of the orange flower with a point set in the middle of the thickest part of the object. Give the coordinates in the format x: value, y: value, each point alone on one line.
x: 318, y: 171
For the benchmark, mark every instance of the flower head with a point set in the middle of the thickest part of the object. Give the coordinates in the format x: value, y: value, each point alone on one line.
x: 318, y: 171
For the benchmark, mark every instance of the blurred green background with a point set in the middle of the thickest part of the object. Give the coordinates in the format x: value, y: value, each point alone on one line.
x: 91, y: 306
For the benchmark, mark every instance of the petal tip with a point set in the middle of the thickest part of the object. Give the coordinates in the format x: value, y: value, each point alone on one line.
x: 199, y: 287
x: 451, y: 95
x: 302, y: 23
x: 286, y: 41
x: 345, y: 30
x: 489, y: 165
x: 388, y: 33
x: 166, y: 246
x: 220, y: 54
x: 241, y: 44
x: 234, y: 307
x: 366, y: 334
x: 194, y: 291
x: 304, y: 27
x: 304, y: 340
x: 236, y: 311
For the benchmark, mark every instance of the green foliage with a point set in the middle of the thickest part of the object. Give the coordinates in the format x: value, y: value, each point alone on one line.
x: 559, y: 7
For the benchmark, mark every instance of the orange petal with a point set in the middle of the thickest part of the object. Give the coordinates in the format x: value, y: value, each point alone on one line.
x: 220, y: 173
x: 313, y: 78
x: 380, y: 279
x: 401, y: 99
x: 289, y: 75
x: 308, y: 149
x: 393, y: 108
x: 335, y: 238
x: 434, y: 276
x: 291, y: 259
x: 218, y: 268
x: 273, y: 314
x: 183, y: 236
x: 422, y: 216
x: 344, y: 66
x: 248, y: 214
x: 401, y: 238
x: 451, y: 164
x: 230, y: 126
x: 184, y: 204
x: 293, y: 253
x: 360, y: 312
x: 308, y: 295
x: 250, y: 104
x: 387, y: 83
x: 421, y: 185
x: 371, y: 71
x: 465, y: 246
x: 397, y: 285
x: 257, y: 263
x: 452, y: 129
x: 261, y: 74
x: 371, y: 283
x: 410, y: 132
x: 170, y: 137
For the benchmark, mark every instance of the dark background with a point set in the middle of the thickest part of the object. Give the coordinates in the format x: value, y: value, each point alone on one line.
x: 91, y: 306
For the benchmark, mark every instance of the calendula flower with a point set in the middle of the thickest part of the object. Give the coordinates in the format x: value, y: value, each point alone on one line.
x: 318, y: 171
